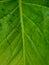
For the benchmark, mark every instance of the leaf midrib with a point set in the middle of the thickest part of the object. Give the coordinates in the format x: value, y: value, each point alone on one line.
x: 22, y: 26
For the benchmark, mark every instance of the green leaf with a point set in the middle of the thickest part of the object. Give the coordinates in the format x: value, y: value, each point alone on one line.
x: 24, y: 32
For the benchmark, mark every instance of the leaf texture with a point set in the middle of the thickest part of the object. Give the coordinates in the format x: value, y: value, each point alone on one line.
x: 24, y: 32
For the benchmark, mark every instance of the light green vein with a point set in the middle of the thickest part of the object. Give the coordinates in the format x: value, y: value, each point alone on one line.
x: 21, y: 19
x: 10, y: 13
x: 18, y: 38
x: 41, y: 33
x: 34, y: 48
x: 32, y: 23
x: 32, y: 4
x: 16, y: 57
x: 7, y: 41
x: 9, y: 34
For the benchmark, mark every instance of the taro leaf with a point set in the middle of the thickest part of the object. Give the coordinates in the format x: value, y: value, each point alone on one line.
x: 24, y: 32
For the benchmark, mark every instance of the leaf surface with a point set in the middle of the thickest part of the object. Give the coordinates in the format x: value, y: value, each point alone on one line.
x: 24, y: 32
